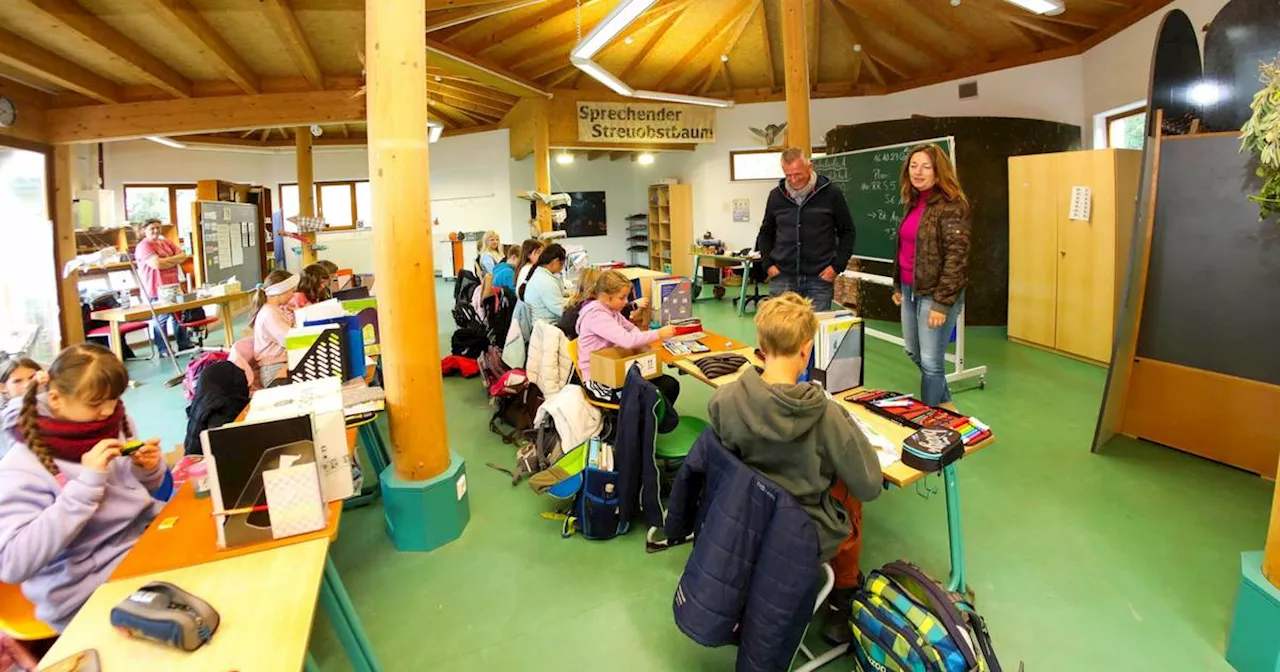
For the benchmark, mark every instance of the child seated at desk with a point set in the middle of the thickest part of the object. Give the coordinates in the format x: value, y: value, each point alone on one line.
x: 792, y: 434
x: 585, y: 292
x: 313, y: 287
x: 504, y: 272
x: 71, y: 506
x: 271, y: 323
x: 16, y: 374
x: 601, y: 325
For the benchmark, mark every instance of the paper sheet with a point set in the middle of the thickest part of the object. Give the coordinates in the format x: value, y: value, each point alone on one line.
x: 319, y: 311
x: 224, y: 246
x: 293, y: 500
x: 237, y: 255
x: 886, y: 451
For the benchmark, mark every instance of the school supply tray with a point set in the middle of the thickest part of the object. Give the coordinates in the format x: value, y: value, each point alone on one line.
x: 914, y: 414
x: 682, y: 348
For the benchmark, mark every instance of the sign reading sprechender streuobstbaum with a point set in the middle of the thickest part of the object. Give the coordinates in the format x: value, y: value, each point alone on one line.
x: 645, y: 122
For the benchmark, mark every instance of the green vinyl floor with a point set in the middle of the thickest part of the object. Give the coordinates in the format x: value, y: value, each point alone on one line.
x: 1122, y: 561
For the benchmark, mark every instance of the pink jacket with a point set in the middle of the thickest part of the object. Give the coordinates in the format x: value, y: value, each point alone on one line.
x: 599, y: 328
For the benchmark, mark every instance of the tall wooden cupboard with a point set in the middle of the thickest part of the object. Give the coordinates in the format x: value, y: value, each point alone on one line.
x: 1065, y: 274
x: 671, y: 229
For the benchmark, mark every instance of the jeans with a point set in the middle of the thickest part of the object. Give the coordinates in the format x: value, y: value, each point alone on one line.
x: 812, y: 287
x: 926, y: 346
x: 169, y: 322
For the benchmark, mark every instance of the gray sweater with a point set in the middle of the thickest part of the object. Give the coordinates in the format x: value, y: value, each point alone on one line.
x: 801, y: 440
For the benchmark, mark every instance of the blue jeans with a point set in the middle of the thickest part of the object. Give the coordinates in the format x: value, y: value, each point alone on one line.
x: 812, y: 287
x: 926, y: 346
x: 169, y: 322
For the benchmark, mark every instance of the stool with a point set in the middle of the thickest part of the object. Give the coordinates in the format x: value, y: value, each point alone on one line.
x: 126, y: 328
x: 1252, y: 645
x: 199, y: 329
x: 18, y: 616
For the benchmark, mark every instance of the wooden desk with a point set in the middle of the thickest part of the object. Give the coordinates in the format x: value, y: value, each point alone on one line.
x: 723, y: 261
x: 140, y: 313
x: 712, y: 340
x: 897, y: 473
x: 266, y: 602
x: 689, y: 366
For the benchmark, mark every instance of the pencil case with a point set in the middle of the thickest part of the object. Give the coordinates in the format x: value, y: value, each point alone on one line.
x: 932, y: 448
x: 165, y: 613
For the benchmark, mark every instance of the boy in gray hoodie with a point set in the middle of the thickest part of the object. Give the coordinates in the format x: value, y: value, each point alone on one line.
x: 807, y: 444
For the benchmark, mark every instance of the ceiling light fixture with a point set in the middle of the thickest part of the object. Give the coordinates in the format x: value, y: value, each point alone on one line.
x: 439, y: 78
x: 622, y: 15
x: 857, y: 47
x: 316, y: 130
x: 434, y: 130
x: 724, y: 58
x: 627, y: 40
x: 1046, y: 7
x: 645, y: 159
x: 618, y: 19
x: 166, y: 142
x: 564, y: 158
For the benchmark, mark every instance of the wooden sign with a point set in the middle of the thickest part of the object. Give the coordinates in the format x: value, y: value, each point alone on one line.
x: 645, y: 123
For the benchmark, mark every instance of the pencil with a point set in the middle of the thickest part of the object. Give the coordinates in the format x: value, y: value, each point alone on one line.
x: 236, y: 512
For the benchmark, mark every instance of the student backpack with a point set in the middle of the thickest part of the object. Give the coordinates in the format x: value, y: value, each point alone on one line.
x: 905, y: 621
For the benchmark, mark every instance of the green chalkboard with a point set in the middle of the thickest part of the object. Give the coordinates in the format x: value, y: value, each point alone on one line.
x: 869, y: 180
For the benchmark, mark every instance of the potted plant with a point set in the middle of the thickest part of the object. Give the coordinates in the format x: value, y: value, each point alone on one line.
x: 1261, y: 135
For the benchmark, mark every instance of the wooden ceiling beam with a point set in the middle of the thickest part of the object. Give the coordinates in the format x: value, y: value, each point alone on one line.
x: 717, y: 64
x: 266, y: 133
x: 566, y: 73
x: 768, y: 49
x: 456, y: 17
x: 870, y: 53
x: 453, y: 114
x: 1135, y: 14
x: 942, y: 18
x: 504, y: 99
x: 1023, y: 20
x: 480, y: 70
x: 478, y: 102
x: 482, y: 128
x: 180, y: 14
x: 1077, y: 19
x: 43, y: 64
x: 284, y: 24
x: 466, y: 105
x: 185, y: 116
x: 156, y: 71
x: 618, y: 156
x: 669, y: 23
x: 660, y: 12
x: 718, y: 31
x: 592, y: 156
x: 895, y: 26
x: 248, y: 133
x: 512, y: 29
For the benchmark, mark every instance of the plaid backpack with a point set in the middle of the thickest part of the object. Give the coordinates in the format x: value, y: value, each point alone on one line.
x: 905, y: 621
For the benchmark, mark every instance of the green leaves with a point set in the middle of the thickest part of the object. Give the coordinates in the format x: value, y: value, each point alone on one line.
x: 1261, y: 136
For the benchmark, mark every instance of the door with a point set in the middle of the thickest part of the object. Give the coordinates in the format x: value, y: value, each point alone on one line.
x: 1033, y: 249
x: 1086, y: 256
x: 28, y: 277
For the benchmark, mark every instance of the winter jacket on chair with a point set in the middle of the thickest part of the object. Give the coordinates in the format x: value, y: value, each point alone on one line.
x: 575, y: 419
x: 221, y: 393
x: 548, y: 363
x: 755, y: 570
x: 642, y: 415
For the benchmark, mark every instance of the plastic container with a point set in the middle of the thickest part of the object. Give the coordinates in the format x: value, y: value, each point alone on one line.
x: 198, y: 474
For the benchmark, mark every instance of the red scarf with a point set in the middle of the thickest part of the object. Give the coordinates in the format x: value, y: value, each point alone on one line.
x: 71, y: 440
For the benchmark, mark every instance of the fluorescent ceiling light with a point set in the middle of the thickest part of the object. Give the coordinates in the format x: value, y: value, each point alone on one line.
x: 621, y: 16
x: 166, y: 142
x: 434, y: 129
x: 681, y: 98
x: 603, y: 76
x: 1049, y: 7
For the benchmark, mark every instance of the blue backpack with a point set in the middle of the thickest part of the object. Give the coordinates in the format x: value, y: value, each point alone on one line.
x: 905, y: 621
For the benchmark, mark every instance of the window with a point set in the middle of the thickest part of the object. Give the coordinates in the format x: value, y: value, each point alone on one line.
x: 169, y: 203
x: 1127, y: 130
x: 29, y: 312
x: 760, y: 164
x: 339, y: 203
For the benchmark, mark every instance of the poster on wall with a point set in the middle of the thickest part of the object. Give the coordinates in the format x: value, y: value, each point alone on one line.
x: 741, y: 210
x: 645, y: 123
x: 586, y: 215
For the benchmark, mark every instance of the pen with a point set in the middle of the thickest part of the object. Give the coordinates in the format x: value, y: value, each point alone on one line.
x: 235, y: 512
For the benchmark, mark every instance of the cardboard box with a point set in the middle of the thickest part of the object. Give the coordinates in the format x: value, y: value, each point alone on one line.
x: 609, y: 366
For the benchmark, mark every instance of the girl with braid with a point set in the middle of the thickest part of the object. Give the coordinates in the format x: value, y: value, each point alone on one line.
x: 71, y: 506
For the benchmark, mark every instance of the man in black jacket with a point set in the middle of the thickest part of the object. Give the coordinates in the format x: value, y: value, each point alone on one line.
x: 807, y: 234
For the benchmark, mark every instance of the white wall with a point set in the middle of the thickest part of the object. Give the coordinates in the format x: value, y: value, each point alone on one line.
x: 625, y: 185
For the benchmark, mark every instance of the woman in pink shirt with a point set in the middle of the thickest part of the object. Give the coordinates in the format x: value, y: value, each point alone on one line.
x: 159, y: 261
x: 931, y: 268
x: 271, y: 322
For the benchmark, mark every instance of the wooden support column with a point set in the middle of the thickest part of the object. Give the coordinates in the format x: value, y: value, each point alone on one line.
x: 64, y: 244
x: 306, y: 190
x: 795, y: 66
x: 1271, y: 552
x: 541, y: 122
x: 404, y: 269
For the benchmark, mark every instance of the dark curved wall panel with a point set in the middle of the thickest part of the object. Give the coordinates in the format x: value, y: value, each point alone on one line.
x: 1244, y: 33
x: 983, y: 148
x: 1175, y: 70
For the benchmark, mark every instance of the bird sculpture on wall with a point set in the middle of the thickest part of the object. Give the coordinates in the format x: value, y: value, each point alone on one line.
x: 772, y: 135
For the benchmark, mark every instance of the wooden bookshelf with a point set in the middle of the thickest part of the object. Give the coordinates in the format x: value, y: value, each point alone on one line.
x: 671, y: 228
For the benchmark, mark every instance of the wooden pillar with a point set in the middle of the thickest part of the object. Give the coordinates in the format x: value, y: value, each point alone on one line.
x: 306, y: 190
x: 795, y: 66
x: 404, y: 269
x: 541, y: 122
x: 64, y: 244
x: 1271, y: 552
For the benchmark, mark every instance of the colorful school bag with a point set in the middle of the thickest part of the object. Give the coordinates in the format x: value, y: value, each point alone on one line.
x: 905, y: 621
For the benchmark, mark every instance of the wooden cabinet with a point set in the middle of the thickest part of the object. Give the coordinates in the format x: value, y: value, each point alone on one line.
x: 1065, y: 274
x: 671, y: 228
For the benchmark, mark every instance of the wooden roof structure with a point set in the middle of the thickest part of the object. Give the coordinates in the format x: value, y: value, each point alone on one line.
x: 234, y: 69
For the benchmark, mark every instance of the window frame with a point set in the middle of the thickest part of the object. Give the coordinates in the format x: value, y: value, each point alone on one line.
x: 1120, y: 116
x: 816, y: 151
x: 173, y: 188
x: 317, y: 186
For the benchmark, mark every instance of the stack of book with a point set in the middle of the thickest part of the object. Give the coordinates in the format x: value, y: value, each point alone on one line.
x: 672, y: 299
x: 837, y: 360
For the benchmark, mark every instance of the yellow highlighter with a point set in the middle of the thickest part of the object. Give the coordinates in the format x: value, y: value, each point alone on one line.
x: 131, y: 446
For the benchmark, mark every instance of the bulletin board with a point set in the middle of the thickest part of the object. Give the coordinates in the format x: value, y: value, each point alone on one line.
x: 228, y: 240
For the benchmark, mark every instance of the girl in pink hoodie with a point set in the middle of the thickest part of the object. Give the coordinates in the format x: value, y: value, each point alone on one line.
x: 602, y: 325
x: 71, y: 506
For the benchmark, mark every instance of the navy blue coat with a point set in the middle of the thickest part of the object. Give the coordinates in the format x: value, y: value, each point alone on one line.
x: 638, y: 428
x: 755, y: 570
